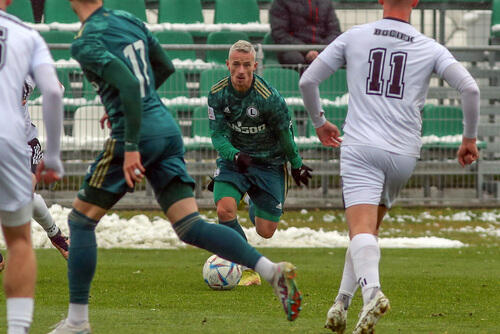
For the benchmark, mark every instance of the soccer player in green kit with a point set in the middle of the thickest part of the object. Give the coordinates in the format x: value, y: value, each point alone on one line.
x: 120, y: 56
x: 251, y: 130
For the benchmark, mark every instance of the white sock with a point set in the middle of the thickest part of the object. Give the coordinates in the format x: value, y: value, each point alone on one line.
x: 365, y: 254
x: 349, y: 283
x: 19, y: 315
x: 265, y: 268
x: 42, y: 215
x: 78, y: 313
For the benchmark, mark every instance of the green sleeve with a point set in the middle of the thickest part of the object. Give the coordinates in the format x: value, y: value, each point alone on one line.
x: 161, y: 64
x: 280, y: 120
x: 219, y: 131
x: 117, y: 74
x: 290, y: 148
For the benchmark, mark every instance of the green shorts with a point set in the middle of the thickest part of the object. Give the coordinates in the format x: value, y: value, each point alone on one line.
x: 266, y: 185
x: 163, y: 159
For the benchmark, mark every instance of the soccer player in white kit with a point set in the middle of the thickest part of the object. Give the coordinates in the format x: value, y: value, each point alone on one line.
x: 389, y: 64
x: 23, y: 52
x: 41, y: 213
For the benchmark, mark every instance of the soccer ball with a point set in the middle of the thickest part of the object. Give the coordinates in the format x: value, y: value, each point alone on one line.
x: 221, y: 274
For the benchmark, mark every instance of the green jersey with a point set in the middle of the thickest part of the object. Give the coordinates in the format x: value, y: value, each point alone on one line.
x: 256, y: 122
x: 113, y: 34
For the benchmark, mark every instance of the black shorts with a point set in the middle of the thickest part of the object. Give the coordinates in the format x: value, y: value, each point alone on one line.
x: 36, y: 153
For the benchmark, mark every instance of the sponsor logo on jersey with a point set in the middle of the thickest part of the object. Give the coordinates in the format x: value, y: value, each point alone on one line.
x: 227, y: 110
x: 247, y: 129
x: 211, y: 114
x: 252, y: 112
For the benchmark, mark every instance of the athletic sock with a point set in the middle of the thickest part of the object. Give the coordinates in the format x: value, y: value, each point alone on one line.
x: 216, y: 238
x: 349, y: 284
x: 265, y: 268
x: 42, y: 215
x: 82, y: 256
x: 365, y: 254
x: 19, y: 315
x: 78, y: 313
x: 235, y: 226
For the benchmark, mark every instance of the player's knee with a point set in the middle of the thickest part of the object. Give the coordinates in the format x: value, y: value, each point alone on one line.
x: 225, y: 212
x: 266, y: 229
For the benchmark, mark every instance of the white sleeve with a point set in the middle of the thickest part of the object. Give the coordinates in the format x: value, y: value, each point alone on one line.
x: 458, y: 77
x: 316, y: 73
x: 41, y: 53
x: 46, y: 80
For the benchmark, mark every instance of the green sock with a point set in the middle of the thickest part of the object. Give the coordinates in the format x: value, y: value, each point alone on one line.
x: 235, y: 226
x: 217, y: 239
x: 82, y: 256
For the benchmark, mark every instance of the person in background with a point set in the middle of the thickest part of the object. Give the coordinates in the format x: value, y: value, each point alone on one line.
x: 302, y: 22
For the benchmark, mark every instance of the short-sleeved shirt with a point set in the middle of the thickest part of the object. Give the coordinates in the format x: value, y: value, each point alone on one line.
x: 251, y: 121
x: 389, y: 64
x: 113, y: 34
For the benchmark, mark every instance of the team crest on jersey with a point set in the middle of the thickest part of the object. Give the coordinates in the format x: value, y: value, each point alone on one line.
x: 227, y: 110
x: 252, y: 112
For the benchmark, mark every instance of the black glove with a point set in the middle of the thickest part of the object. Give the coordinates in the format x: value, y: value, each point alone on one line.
x: 301, y: 174
x: 242, y: 161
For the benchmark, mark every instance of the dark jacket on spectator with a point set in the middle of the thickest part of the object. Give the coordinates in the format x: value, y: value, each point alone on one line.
x: 303, y: 22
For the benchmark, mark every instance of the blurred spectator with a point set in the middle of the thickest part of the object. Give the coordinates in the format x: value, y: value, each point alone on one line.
x: 302, y: 22
x: 37, y: 6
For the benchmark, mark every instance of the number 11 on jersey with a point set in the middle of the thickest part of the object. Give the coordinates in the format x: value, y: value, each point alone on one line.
x: 375, y: 82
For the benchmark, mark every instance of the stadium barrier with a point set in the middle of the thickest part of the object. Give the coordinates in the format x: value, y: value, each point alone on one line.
x: 437, y: 181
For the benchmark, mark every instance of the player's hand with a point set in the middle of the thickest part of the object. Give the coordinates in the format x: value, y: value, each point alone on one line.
x: 301, y: 175
x: 311, y: 55
x: 242, y: 161
x: 47, y: 175
x: 105, y: 120
x: 467, y: 152
x: 329, y: 135
x: 132, y: 168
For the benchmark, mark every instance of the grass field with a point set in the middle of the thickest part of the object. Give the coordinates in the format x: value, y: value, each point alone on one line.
x: 162, y: 291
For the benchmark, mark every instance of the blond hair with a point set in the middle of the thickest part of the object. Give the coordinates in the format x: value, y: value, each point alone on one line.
x: 243, y: 46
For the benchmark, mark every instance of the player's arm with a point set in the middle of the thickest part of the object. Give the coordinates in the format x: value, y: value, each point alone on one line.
x: 458, y: 77
x: 161, y: 63
x: 219, y: 131
x: 317, y: 72
x: 117, y: 74
x: 281, y: 124
x: 46, y: 79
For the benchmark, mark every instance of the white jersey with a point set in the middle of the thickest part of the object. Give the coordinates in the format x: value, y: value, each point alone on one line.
x: 389, y: 64
x: 21, y: 50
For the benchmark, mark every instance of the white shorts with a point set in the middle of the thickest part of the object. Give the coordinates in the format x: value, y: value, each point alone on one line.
x: 15, y: 175
x: 17, y: 218
x: 372, y: 175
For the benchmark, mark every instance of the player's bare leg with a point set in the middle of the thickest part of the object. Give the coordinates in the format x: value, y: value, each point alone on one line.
x: 19, y: 277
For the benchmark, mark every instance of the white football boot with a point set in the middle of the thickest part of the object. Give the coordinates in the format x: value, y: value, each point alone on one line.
x: 336, y: 318
x: 371, y: 312
x: 64, y: 327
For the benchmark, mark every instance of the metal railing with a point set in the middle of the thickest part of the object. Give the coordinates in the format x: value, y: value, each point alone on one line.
x: 437, y: 180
